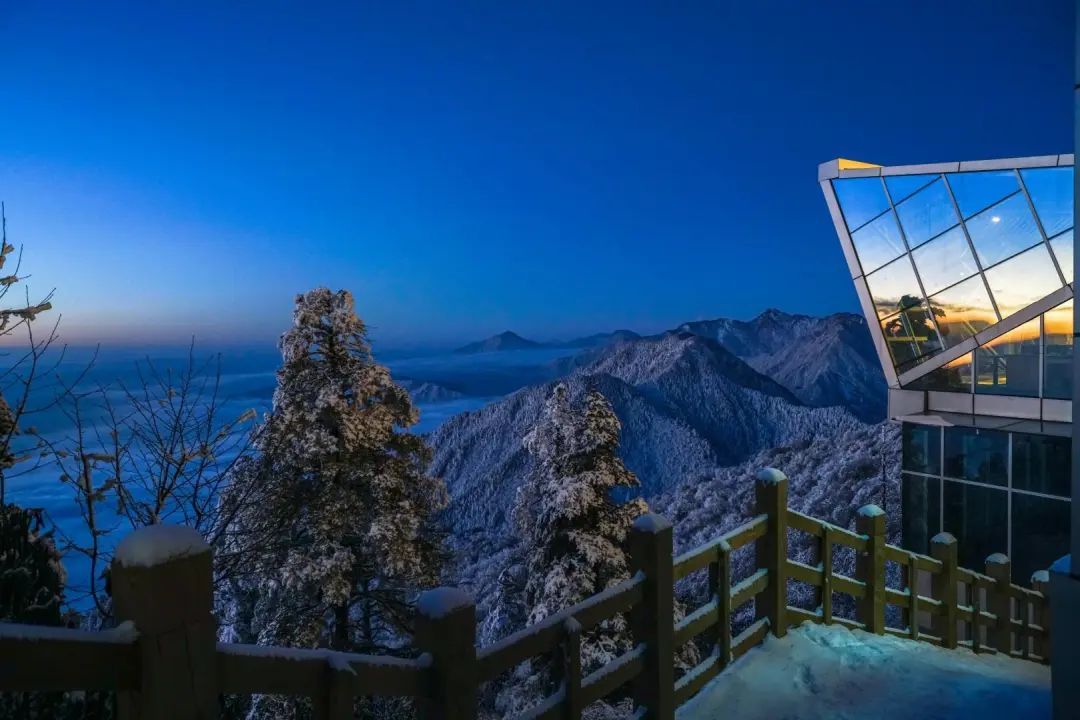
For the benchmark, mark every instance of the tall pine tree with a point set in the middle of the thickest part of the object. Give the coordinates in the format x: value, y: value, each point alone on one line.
x: 337, y: 507
x: 573, y: 529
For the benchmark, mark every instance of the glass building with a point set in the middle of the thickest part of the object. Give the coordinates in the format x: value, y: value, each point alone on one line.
x: 964, y: 273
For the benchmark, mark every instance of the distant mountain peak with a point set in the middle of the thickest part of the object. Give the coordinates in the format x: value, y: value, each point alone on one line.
x: 506, y: 340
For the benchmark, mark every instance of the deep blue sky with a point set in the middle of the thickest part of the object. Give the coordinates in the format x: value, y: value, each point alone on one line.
x: 556, y: 168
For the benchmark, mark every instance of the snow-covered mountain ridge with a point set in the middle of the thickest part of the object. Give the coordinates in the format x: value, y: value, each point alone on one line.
x: 823, y: 360
x: 686, y: 405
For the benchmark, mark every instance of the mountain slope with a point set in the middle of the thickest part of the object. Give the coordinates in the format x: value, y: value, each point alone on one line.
x: 497, y: 343
x: 686, y: 405
x: 824, y: 361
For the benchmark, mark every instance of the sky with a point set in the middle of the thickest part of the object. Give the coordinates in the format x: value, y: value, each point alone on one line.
x: 555, y: 168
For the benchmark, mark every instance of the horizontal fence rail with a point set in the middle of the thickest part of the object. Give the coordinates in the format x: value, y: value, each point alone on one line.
x: 163, y: 660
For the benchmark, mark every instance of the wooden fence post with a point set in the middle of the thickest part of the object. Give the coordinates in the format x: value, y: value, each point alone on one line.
x: 771, y: 493
x: 1040, y: 582
x: 161, y: 578
x: 570, y: 650
x: 943, y: 549
x: 653, y: 619
x: 446, y: 631
x: 723, y: 604
x: 870, y: 567
x: 999, y: 568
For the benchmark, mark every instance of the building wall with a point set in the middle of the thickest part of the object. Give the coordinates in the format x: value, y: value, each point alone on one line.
x: 995, y: 491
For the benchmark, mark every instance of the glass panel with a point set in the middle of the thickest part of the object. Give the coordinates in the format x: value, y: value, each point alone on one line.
x: 1003, y: 230
x: 1009, y: 364
x: 902, y: 186
x: 878, y: 242
x: 921, y: 516
x: 1040, y: 531
x: 1022, y: 280
x: 953, y: 376
x: 975, y: 191
x: 945, y: 261
x: 1063, y: 251
x: 1058, y: 345
x: 978, y: 518
x: 962, y: 310
x: 927, y: 213
x: 894, y: 287
x: 911, y: 337
x: 921, y: 448
x: 1051, y: 191
x: 861, y: 200
x: 976, y: 454
x: 1040, y: 463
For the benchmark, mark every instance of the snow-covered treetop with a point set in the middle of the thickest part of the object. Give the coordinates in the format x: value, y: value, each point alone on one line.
x: 158, y: 544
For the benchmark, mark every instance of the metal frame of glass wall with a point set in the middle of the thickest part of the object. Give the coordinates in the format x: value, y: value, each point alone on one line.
x: 949, y: 377
x: 934, y: 491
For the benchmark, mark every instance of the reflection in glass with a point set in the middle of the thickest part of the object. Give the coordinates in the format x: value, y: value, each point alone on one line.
x: 1051, y: 191
x: 921, y: 518
x: 1062, y: 246
x: 861, y: 200
x: 902, y: 186
x: 1003, y: 230
x: 945, y: 261
x: 1040, y: 528
x: 927, y: 213
x: 1009, y: 364
x: 1018, y: 282
x: 921, y: 448
x: 1040, y: 463
x: 975, y: 191
x: 976, y: 454
x: 954, y: 376
x: 910, y: 337
x: 1057, y: 347
x: 894, y: 287
x: 878, y: 242
x: 962, y: 311
x: 978, y: 518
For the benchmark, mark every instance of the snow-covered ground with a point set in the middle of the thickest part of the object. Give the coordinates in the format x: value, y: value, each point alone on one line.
x: 831, y: 673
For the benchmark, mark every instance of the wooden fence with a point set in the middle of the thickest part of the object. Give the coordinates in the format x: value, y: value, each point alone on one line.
x: 169, y: 664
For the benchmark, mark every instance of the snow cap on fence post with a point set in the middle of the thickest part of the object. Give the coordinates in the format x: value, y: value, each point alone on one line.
x: 653, y: 619
x: 162, y: 581
x: 446, y: 631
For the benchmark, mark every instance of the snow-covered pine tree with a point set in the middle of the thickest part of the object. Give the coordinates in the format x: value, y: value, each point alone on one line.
x: 572, y: 527
x: 337, y: 507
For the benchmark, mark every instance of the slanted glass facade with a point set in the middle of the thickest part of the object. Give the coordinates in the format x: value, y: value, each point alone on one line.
x: 947, y: 255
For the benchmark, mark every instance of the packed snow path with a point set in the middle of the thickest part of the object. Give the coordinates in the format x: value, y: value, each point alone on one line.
x: 823, y: 672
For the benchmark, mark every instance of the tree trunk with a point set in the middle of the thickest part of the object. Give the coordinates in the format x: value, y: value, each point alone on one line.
x: 341, y: 626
